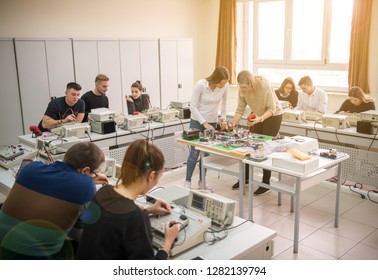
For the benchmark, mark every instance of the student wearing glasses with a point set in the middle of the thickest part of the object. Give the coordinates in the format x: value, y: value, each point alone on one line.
x: 116, y: 227
x: 287, y: 92
x: 42, y: 209
x: 65, y: 109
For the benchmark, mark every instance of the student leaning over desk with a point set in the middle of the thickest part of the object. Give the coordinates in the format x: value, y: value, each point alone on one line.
x: 115, y: 227
x: 44, y: 204
x: 208, y: 99
x: 356, y: 102
x: 258, y: 94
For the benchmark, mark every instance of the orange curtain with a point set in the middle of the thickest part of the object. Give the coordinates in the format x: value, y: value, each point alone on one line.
x: 226, y: 46
x: 359, y: 44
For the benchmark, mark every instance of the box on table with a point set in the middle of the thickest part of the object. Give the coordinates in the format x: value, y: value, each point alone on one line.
x: 287, y: 161
x: 305, y: 144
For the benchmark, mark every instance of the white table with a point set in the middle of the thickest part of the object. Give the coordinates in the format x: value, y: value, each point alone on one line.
x: 228, y: 158
x: 249, y: 241
x: 327, y: 168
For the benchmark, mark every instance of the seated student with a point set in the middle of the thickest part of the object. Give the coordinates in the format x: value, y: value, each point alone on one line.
x: 115, y: 227
x: 65, y: 109
x: 137, y: 102
x: 44, y: 204
x: 356, y: 102
x: 96, y: 98
x: 311, y: 97
x: 287, y: 92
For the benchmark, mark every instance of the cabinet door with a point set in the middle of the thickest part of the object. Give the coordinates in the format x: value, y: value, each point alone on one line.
x: 60, y: 65
x: 86, y: 63
x: 10, y: 106
x: 130, y: 67
x: 168, y: 71
x: 109, y: 65
x: 185, y: 69
x: 33, y: 80
x: 150, y: 73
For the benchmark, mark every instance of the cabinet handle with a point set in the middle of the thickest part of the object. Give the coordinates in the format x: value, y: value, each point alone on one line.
x: 179, y: 86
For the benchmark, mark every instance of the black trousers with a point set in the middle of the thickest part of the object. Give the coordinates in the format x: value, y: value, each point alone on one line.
x: 271, y: 126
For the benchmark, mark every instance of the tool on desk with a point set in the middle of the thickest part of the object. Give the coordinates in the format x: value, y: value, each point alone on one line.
x: 12, y: 155
x: 191, y: 135
x: 335, y: 120
x: 218, y: 208
x: 35, y: 130
x: 192, y: 228
x: 132, y: 121
x: 73, y: 129
x: 167, y: 115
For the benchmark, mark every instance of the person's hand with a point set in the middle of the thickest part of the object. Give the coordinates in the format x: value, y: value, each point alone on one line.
x: 70, y: 118
x: 100, y: 179
x: 223, y: 125
x: 254, y: 121
x: 171, y: 232
x: 206, y: 125
x: 160, y: 207
x: 128, y: 98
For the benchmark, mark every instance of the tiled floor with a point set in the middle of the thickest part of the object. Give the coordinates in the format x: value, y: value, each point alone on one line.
x: 355, y: 238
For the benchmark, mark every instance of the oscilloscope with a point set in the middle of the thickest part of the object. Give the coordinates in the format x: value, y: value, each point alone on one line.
x: 218, y: 208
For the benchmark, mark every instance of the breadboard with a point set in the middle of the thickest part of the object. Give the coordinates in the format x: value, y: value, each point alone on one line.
x: 11, y: 157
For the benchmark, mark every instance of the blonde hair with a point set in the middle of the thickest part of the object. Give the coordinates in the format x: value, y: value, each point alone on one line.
x: 101, y: 78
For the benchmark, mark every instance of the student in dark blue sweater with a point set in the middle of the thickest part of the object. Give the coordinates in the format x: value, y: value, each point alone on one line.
x: 115, y: 227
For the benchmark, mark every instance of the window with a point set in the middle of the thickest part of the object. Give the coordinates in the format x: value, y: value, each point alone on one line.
x: 281, y: 38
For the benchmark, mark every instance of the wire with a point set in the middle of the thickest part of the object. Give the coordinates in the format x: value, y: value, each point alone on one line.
x: 317, y: 135
x: 372, y: 141
x: 368, y: 195
x: 89, y: 136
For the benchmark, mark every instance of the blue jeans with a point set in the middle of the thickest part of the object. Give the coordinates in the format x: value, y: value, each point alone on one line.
x: 194, y: 154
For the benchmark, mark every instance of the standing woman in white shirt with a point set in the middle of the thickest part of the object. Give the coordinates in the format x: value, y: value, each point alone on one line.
x: 209, y: 97
x: 311, y: 97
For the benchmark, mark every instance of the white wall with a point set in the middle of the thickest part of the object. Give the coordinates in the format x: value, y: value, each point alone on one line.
x: 197, y: 19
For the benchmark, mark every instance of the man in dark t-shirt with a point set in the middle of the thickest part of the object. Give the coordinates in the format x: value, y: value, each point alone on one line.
x: 96, y: 98
x: 65, y: 109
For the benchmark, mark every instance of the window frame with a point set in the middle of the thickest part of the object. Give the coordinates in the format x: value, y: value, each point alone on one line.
x: 250, y: 57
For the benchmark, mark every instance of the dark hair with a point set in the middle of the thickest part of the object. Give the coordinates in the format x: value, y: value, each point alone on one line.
x: 140, y: 159
x: 74, y: 86
x: 287, y: 80
x: 138, y: 85
x: 84, y: 154
x: 219, y: 74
